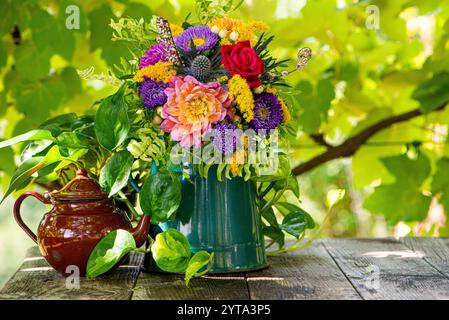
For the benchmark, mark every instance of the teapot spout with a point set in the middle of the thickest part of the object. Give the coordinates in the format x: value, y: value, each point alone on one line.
x: 140, y: 232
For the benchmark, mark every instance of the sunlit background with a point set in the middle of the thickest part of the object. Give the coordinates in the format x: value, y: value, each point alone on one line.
x: 369, y: 58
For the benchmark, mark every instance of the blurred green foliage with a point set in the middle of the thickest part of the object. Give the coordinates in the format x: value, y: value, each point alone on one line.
x: 358, y: 76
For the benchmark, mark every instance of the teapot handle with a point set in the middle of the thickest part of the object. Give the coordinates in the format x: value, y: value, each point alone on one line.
x: 17, y: 216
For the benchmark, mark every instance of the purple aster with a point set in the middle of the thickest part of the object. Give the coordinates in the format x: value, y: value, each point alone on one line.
x: 156, y: 53
x: 225, y: 138
x: 203, y: 38
x: 267, y: 112
x: 152, y: 93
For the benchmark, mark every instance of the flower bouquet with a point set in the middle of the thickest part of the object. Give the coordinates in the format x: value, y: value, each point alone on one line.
x: 194, y: 137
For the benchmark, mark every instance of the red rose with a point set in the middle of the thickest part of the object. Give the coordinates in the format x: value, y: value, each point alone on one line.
x: 243, y: 60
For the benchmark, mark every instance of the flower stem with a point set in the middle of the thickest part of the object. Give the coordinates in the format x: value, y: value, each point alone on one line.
x: 130, y: 206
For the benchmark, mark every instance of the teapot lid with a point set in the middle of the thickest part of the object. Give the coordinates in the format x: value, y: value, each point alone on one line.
x: 81, y: 188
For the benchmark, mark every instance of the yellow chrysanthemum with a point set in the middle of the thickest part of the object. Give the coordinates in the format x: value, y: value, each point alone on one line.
x: 248, y: 32
x: 285, y: 112
x: 176, y: 30
x: 241, y: 93
x: 236, y: 30
x: 226, y: 24
x: 161, y: 71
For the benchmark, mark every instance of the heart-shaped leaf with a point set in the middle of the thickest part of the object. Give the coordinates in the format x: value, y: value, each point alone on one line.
x: 111, y: 121
x: 109, y: 251
x: 114, y: 175
x: 200, y: 260
x: 160, y: 196
x: 171, y: 251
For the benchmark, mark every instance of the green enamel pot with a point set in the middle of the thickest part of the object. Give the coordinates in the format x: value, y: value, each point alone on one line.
x: 220, y: 217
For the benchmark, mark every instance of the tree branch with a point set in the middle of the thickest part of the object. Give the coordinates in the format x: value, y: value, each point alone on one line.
x: 350, y: 146
x: 319, y: 139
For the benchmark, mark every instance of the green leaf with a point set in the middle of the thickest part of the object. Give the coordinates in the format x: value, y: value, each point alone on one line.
x: 440, y: 182
x: 160, y: 196
x: 112, y: 122
x: 315, y: 103
x: 269, y: 216
x: 36, y: 99
x: 433, y: 93
x: 29, y: 136
x: 72, y: 82
x: 38, y: 148
x: 109, y: 251
x: 3, y: 55
x: 171, y: 251
x: 288, y: 208
x: 7, y: 160
x: 22, y: 176
x: 402, y: 200
x: 72, y: 140
x: 200, y: 260
x: 59, y: 123
x: 282, y: 172
x: 334, y: 196
x: 291, y: 183
x: 101, y: 36
x: 28, y: 54
x: 398, y: 204
x: 408, y: 171
x: 276, y: 234
x: 51, y: 32
x: 114, y: 175
x: 294, y: 223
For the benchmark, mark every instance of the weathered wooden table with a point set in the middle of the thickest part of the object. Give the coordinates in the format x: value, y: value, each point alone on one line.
x: 409, y: 268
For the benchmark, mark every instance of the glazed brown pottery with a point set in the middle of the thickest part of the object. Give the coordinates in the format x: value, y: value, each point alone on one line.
x: 81, y: 215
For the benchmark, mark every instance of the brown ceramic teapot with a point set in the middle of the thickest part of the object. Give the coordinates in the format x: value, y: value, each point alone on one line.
x: 81, y: 215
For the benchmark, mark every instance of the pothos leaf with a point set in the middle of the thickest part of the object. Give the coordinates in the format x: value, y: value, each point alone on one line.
x: 160, y: 196
x: 111, y: 121
x: 109, y: 251
x: 200, y: 260
x: 114, y: 175
x: 171, y: 251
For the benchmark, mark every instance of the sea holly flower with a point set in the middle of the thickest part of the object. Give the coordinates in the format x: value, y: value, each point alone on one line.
x: 201, y: 36
x: 243, y: 60
x: 191, y: 109
x: 267, y: 112
x: 152, y: 93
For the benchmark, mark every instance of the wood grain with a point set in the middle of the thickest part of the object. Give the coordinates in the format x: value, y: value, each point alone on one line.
x: 433, y: 250
x: 308, y: 274
x: 156, y: 286
x: 35, y: 279
x: 412, y: 268
x: 387, y: 269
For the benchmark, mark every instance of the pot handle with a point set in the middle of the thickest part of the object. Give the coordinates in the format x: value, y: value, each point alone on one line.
x: 17, y: 216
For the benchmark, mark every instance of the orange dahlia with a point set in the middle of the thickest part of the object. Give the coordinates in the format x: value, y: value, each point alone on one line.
x: 191, y: 109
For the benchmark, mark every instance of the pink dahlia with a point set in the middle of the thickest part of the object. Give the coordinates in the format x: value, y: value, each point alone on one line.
x: 191, y: 109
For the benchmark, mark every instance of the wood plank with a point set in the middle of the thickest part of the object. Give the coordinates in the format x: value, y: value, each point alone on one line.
x: 157, y: 286
x: 433, y: 250
x: 387, y: 269
x: 37, y: 280
x: 307, y: 274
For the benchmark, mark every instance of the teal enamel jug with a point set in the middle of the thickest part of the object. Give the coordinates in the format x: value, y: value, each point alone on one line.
x: 220, y: 217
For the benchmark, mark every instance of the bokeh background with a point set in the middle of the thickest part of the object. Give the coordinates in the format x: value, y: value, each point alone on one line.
x: 373, y: 60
